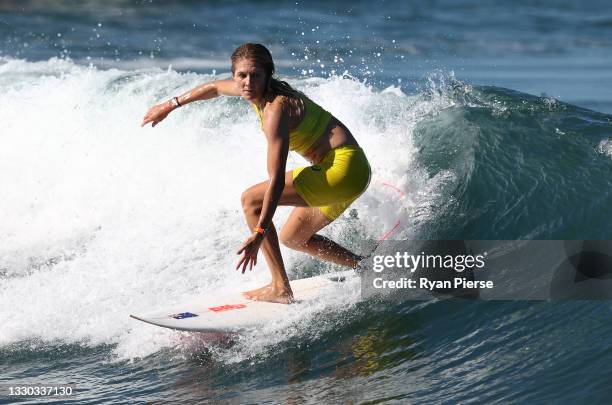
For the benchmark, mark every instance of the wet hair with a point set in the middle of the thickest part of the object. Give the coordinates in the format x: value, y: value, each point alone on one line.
x: 262, y: 57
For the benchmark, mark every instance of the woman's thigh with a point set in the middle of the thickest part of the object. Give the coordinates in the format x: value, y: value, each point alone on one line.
x: 303, y: 222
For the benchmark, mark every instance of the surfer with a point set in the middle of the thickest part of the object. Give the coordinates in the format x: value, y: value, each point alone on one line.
x: 339, y: 173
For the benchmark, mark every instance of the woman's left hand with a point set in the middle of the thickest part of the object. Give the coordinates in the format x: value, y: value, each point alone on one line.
x: 250, y: 249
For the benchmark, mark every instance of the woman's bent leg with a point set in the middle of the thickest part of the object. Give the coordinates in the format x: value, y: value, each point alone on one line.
x: 252, y: 199
x: 299, y: 233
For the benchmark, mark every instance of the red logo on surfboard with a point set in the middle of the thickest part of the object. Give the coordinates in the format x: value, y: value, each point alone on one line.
x: 227, y: 307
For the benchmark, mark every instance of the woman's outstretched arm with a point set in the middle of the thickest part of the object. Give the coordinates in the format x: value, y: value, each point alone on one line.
x: 205, y: 91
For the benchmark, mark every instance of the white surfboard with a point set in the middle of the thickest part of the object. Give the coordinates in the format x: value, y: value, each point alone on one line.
x: 234, y: 312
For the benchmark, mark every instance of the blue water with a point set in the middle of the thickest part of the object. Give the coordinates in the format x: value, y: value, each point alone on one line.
x: 493, y: 120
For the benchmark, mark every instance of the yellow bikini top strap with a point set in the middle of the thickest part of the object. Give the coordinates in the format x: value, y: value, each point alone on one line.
x: 259, y: 113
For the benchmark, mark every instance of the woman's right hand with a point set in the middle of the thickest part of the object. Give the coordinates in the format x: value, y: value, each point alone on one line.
x: 157, y: 113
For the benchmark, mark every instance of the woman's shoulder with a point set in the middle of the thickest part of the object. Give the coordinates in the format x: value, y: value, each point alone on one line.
x: 285, y: 100
x: 281, y: 103
x: 274, y: 108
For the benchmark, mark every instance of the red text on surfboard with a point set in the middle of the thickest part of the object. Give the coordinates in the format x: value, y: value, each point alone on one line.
x: 227, y: 307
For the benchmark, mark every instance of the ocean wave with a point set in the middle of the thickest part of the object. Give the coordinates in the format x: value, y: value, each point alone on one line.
x: 114, y: 217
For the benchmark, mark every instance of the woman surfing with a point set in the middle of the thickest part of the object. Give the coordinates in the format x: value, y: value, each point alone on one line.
x: 339, y: 173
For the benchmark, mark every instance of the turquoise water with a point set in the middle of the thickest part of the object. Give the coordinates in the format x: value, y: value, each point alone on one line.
x: 493, y: 121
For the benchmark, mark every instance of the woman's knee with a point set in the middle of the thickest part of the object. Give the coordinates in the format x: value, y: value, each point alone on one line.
x: 251, y: 203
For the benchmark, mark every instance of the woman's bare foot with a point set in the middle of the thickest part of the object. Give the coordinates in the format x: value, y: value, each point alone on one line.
x: 256, y: 292
x: 270, y: 294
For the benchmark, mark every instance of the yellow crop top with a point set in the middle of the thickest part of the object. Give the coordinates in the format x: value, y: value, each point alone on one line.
x: 311, y: 127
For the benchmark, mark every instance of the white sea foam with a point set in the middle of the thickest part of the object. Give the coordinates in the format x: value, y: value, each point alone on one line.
x: 102, y: 218
x: 605, y: 147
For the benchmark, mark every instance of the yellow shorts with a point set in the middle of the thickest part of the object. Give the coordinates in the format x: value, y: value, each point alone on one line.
x: 334, y: 183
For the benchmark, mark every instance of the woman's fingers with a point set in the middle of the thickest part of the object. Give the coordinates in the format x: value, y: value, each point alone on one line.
x: 154, y: 115
x: 249, y: 258
x: 240, y: 262
x: 146, y: 120
x: 245, y: 264
x: 159, y: 119
x: 243, y: 261
x: 252, y: 261
x: 243, y: 258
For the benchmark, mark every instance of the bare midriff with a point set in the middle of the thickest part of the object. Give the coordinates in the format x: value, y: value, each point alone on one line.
x: 335, y: 135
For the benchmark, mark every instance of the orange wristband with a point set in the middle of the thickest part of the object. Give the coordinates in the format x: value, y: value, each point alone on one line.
x: 260, y: 230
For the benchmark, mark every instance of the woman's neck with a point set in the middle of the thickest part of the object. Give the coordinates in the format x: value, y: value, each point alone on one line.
x: 261, y: 103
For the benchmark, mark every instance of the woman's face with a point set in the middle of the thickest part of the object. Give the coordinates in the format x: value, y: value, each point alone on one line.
x: 251, y: 78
